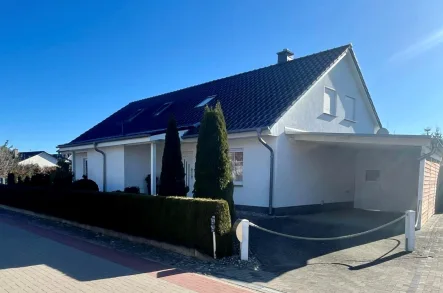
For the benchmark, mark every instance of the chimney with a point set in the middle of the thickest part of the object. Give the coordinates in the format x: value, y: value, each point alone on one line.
x: 285, y: 56
x: 15, y: 151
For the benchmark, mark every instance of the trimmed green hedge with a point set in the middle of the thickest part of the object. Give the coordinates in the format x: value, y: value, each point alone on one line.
x: 177, y: 220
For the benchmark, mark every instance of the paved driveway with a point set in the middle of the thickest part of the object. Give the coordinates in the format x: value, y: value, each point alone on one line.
x: 34, y: 259
x: 279, y: 254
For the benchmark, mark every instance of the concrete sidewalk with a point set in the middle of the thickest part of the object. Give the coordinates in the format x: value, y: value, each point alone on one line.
x: 34, y: 259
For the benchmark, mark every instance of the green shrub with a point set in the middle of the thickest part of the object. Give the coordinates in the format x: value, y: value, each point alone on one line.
x: 132, y: 189
x: 177, y: 220
x: 172, y: 177
x: 213, y: 177
x: 40, y: 179
x: 62, y: 176
x: 84, y: 184
x: 11, y: 179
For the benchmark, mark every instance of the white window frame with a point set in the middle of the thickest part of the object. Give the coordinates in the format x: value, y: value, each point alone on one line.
x: 162, y: 108
x: 85, y: 167
x: 347, y: 118
x: 332, y: 110
x: 205, y: 101
x: 237, y: 150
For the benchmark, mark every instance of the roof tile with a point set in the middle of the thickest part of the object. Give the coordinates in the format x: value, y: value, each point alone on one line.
x: 249, y: 100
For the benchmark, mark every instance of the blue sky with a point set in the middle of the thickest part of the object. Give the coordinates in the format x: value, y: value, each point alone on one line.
x: 67, y: 65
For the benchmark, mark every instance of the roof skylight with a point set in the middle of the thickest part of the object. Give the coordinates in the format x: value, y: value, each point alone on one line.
x: 205, y: 101
x: 162, y: 108
x: 135, y: 114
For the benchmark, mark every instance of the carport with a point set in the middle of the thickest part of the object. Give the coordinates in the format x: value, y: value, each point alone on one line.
x: 389, y: 173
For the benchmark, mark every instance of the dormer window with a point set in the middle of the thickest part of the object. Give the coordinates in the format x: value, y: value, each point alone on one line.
x: 205, y: 101
x: 162, y: 108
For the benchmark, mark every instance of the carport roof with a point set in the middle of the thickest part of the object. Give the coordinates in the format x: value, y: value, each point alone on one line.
x: 360, y: 138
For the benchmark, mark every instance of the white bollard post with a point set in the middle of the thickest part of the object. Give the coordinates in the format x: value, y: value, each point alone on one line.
x: 410, y: 231
x: 244, y: 243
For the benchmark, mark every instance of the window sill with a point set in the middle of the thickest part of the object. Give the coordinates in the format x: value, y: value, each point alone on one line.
x: 349, y: 120
x: 238, y: 183
x: 330, y: 115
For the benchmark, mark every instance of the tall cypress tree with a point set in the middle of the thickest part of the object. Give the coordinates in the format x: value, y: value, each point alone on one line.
x: 172, y: 178
x: 213, y: 177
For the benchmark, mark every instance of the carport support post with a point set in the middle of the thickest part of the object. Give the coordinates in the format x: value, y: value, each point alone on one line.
x: 410, y: 231
x: 244, y: 243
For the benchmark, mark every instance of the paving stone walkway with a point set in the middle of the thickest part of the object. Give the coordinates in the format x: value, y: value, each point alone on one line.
x: 35, y: 259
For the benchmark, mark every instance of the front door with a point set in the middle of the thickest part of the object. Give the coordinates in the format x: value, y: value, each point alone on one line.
x: 188, y: 165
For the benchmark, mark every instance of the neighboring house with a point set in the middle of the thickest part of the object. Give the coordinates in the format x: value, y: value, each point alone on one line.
x: 40, y: 158
x: 315, y: 112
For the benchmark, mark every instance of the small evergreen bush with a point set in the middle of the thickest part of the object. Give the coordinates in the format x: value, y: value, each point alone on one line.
x: 85, y: 184
x: 172, y: 178
x: 213, y: 177
x: 132, y: 189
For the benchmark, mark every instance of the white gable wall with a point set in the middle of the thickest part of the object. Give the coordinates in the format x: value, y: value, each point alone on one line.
x: 305, y: 175
x: 42, y: 160
x: 307, y: 113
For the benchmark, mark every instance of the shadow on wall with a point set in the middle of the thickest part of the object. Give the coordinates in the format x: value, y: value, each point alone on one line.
x: 326, y: 117
x: 347, y: 123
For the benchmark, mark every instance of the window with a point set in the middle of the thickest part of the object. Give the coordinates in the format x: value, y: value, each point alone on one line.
x: 349, y: 105
x: 85, y: 167
x: 205, y: 101
x: 135, y: 114
x: 329, y: 101
x: 236, y: 157
x: 162, y: 108
x: 372, y: 175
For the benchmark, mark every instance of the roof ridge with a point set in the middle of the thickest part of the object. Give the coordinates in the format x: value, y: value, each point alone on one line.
x: 246, y: 72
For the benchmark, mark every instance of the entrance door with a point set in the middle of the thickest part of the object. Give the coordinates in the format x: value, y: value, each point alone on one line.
x: 189, y: 164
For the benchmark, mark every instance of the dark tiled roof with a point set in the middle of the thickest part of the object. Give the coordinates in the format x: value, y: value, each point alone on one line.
x: 26, y: 155
x: 249, y: 100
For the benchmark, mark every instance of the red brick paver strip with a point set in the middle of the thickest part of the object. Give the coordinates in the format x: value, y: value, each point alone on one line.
x: 152, y: 270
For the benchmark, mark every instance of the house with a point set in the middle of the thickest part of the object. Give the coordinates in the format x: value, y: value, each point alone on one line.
x: 40, y: 158
x: 304, y: 136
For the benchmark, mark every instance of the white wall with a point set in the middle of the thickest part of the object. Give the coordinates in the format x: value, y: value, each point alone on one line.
x: 115, y: 170
x: 255, y: 188
x: 78, y: 172
x: 307, y: 112
x: 137, y: 165
x: 42, y: 160
x: 398, y: 185
x: 308, y: 174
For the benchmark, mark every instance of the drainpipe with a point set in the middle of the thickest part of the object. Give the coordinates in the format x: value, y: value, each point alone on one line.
x: 271, y: 169
x: 104, y: 165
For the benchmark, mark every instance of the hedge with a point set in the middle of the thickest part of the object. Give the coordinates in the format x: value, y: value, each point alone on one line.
x: 177, y: 220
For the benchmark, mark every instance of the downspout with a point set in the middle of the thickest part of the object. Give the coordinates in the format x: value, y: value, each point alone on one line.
x: 271, y: 168
x: 104, y: 165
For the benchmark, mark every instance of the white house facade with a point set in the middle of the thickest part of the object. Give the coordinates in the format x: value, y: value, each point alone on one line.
x: 314, y: 115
